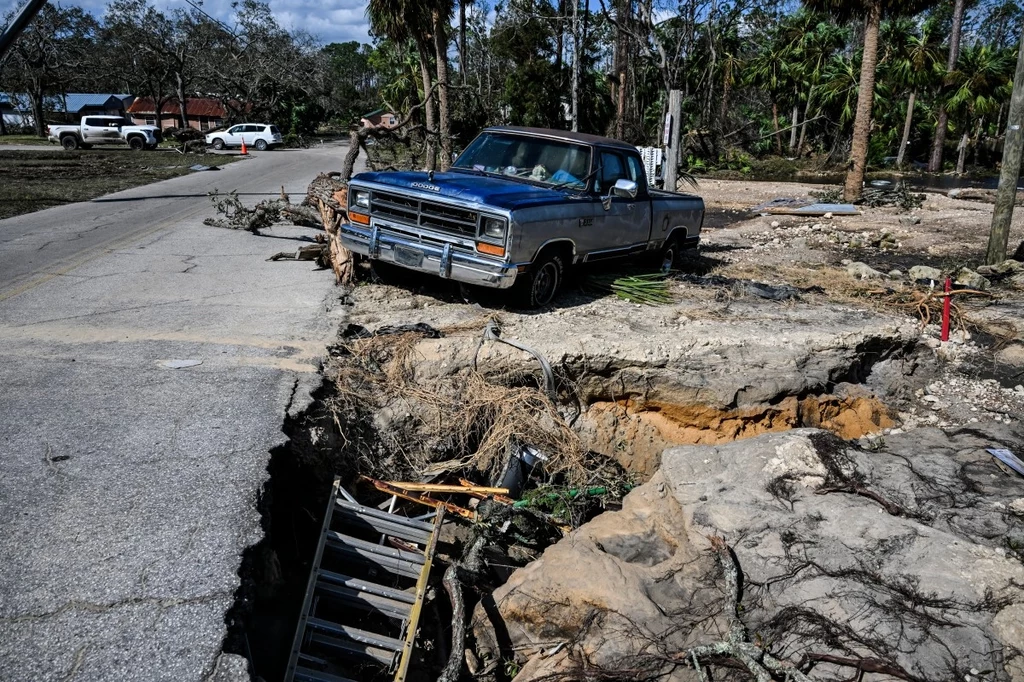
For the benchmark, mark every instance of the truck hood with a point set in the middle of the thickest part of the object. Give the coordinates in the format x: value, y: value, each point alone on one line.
x: 478, y: 189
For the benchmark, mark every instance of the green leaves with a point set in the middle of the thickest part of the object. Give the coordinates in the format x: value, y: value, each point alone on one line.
x: 646, y: 289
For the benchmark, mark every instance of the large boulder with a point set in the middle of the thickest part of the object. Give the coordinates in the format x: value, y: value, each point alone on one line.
x: 905, y: 561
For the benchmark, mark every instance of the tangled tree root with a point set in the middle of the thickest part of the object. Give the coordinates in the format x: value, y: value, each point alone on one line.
x: 459, y: 421
x: 923, y: 304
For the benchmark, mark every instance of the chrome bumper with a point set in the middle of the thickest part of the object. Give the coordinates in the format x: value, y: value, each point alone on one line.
x: 446, y: 261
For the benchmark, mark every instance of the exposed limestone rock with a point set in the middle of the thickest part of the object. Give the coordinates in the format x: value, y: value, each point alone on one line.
x: 925, y: 272
x: 908, y: 556
x: 863, y: 271
x: 1012, y: 354
x: 969, y: 278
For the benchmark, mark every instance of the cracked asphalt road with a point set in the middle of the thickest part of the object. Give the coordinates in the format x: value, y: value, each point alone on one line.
x: 128, y: 490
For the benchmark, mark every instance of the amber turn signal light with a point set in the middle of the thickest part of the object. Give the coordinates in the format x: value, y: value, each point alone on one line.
x: 490, y: 249
x: 360, y: 218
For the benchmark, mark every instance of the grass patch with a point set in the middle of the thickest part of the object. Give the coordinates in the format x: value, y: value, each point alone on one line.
x: 31, y: 181
x: 23, y: 139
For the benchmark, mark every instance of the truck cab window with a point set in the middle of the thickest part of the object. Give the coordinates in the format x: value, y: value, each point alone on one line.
x: 95, y: 122
x: 612, y: 169
x: 637, y: 173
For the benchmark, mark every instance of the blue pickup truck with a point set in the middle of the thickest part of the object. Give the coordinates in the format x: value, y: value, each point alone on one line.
x: 517, y: 208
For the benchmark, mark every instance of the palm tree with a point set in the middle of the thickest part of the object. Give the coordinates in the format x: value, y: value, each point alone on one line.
x: 980, y: 83
x: 441, y: 12
x: 817, y: 46
x: 768, y: 70
x: 838, y: 88
x: 910, y: 63
x: 935, y: 163
x: 400, y: 21
x: 872, y: 11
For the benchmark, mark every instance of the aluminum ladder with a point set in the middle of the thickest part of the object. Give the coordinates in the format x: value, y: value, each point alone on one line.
x: 365, y: 593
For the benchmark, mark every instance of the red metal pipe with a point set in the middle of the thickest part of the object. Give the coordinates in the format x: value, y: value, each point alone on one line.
x: 945, y: 310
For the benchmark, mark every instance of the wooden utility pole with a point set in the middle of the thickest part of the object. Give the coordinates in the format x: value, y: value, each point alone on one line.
x: 577, y: 51
x: 1013, y: 145
x: 671, y: 140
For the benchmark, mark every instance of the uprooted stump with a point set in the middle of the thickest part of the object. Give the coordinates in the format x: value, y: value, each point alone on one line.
x: 328, y: 194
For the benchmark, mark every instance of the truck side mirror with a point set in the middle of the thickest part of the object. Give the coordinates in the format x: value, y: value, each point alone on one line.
x: 624, y: 188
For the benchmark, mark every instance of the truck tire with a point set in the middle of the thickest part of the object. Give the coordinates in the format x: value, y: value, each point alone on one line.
x: 218, y: 144
x: 69, y: 142
x: 136, y: 144
x: 670, y: 255
x: 261, y: 145
x: 539, y: 286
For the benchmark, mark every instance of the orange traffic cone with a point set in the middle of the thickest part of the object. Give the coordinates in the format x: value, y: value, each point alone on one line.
x: 245, y: 151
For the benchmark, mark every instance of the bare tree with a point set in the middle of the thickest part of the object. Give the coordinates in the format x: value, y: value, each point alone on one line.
x: 50, y: 56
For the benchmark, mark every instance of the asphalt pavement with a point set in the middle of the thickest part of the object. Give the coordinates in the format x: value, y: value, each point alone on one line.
x: 147, y: 363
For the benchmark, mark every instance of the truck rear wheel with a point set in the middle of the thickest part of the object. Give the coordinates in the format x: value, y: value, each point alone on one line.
x: 69, y: 142
x: 670, y: 255
x: 539, y: 286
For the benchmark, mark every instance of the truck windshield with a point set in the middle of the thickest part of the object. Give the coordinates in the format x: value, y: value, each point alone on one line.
x: 546, y: 161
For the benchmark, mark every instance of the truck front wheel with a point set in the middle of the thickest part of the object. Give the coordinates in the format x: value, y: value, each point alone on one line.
x: 539, y: 286
x: 137, y: 144
x: 69, y: 142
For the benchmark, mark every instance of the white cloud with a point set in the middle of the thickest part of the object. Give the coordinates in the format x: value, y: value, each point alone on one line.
x: 330, y: 21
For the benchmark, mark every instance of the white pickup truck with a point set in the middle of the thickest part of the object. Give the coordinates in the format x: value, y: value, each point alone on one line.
x: 104, y: 130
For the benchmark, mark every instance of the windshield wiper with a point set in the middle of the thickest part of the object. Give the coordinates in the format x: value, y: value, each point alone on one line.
x: 582, y: 182
x: 474, y: 171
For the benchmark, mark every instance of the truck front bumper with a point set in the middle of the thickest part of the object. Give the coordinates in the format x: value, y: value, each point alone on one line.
x: 443, y: 260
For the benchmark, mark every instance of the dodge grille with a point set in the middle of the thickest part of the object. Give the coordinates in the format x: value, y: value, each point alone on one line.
x: 422, y: 213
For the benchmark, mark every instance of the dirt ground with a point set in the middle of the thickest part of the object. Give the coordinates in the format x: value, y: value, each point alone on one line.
x: 34, y: 180
x: 736, y: 354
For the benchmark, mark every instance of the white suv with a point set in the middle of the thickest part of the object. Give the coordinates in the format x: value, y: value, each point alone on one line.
x: 259, y: 136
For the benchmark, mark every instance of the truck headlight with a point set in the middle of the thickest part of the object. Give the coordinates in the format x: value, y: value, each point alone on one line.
x: 361, y: 198
x: 494, y: 228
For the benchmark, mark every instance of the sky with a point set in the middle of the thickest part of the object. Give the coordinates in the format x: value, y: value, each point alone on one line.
x: 329, y: 20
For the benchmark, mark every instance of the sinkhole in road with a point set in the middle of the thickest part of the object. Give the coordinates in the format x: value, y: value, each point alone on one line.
x: 384, y: 410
